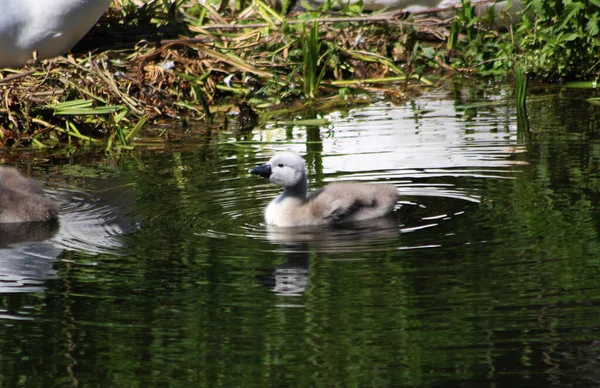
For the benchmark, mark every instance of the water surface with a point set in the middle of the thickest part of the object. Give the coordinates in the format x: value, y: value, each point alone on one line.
x: 162, y: 272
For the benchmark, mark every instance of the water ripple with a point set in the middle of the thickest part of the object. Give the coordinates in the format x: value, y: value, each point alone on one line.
x: 436, y: 158
x: 88, y: 224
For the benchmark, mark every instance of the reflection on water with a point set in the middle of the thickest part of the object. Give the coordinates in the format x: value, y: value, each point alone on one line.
x: 88, y: 223
x: 94, y: 223
x: 291, y: 277
x: 11, y: 234
x: 26, y: 257
x: 338, y: 237
x: 347, y: 240
x: 486, y: 274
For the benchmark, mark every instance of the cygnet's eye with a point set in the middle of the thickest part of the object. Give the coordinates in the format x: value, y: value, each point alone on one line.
x: 280, y: 165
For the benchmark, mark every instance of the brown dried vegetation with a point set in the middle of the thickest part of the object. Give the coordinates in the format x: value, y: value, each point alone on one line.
x: 253, y: 56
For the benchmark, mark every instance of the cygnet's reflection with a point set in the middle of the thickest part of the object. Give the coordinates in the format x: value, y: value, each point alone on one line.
x: 26, y: 255
x: 291, y: 278
x: 90, y: 223
x: 341, y: 237
x: 15, y: 233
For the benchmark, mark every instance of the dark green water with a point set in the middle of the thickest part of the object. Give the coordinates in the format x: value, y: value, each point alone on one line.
x: 162, y: 273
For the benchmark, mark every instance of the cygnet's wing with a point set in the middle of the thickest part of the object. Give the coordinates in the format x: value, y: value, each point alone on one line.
x: 327, y: 206
x: 346, y: 202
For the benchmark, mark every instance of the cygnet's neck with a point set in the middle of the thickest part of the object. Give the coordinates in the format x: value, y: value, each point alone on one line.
x: 297, y: 191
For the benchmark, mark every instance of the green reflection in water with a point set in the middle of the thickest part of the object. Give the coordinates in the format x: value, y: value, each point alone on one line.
x: 501, y: 292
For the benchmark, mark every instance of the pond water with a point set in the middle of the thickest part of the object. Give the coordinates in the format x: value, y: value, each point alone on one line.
x: 162, y: 273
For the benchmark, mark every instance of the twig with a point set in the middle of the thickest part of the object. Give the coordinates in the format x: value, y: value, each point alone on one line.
x: 16, y: 76
x: 54, y: 92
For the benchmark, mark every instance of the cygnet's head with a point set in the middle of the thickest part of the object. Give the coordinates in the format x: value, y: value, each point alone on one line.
x: 286, y: 169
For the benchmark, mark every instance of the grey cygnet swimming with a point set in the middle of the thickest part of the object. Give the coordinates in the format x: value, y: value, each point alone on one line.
x: 337, y: 202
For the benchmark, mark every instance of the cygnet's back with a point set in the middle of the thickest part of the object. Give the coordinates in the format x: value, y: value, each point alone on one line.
x: 22, y: 199
x: 349, y: 201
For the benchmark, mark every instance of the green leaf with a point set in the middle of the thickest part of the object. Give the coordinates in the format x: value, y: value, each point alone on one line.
x: 571, y: 11
x: 81, y: 108
x: 592, y: 26
x: 569, y: 37
x: 581, y: 85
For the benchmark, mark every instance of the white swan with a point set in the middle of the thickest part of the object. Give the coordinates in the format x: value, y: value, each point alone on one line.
x: 48, y: 27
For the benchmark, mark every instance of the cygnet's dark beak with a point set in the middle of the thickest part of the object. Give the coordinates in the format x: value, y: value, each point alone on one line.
x: 264, y: 171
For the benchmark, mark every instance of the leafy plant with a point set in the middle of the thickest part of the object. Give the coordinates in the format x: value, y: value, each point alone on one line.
x: 311, y: 55
x: 554, y: 40
x: 560, y: 39
x: 520, y: 88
